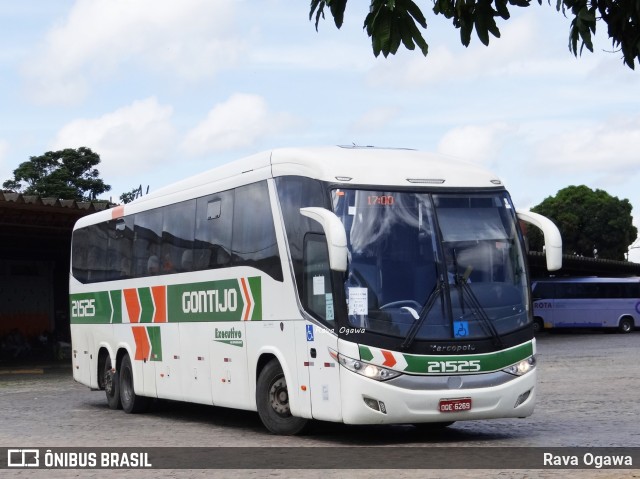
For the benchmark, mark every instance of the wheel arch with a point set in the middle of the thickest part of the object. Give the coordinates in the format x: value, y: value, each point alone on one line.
x: 627, y: 317
x: 103, y: 354
x: 263, y: 357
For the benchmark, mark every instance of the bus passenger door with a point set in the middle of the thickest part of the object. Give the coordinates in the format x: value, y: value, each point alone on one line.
x: 318, y: 300
x: 324, y: 373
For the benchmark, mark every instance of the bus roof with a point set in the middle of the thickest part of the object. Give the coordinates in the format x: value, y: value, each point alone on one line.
x: 380, y: 166
x: 347, y: 165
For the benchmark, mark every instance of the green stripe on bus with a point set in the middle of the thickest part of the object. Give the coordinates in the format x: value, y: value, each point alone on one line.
x: 116, y: 302
x: 155, y: 338
x: 482, y: 363
x: 146, y: 305
x: 90, y: 308
x: 194, y: 302
x: 255, y: 284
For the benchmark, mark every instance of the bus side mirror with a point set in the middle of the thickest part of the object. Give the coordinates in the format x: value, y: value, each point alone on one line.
x: 335, y: 234
x: 552, y: 238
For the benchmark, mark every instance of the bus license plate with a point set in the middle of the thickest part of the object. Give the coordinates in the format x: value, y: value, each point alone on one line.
x: 455, y: 405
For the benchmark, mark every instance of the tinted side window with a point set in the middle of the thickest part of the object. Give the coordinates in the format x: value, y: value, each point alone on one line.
x: 120, y: 249
x: 79, y: 247
x: 97, y: 253
x: 543, y: 291
x: 295, y: 192
x: 316, y: 287
x: 146, y: 244
x: 631, y: 290
x: 177, y: 237
x: 254, y: 238
x: 214, y: 224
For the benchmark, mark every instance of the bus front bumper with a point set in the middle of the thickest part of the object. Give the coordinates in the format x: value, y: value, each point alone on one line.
x: 366, y: 401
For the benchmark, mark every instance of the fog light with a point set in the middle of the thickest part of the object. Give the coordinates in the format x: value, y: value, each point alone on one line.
x: 375, y: 405
x: 372, y: 403
x: 522, y: 398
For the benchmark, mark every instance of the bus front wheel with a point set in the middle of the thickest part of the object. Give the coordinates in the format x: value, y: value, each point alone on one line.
x: 626, y: 325
x: 272, y: 399
x: 111, y: 381
x: 131, y: 402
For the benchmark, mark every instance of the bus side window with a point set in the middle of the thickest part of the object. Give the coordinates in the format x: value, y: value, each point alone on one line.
x: 80, y: 245
x: 146, y: 243
x: 97, y: 252
x: 177, y: 237
x: 214, y: 223
x: 254, y: 240
x: 316, y: 285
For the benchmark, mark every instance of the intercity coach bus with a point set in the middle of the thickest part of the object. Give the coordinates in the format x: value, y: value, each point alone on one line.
x: 612, y: 303
x: 347, y: 284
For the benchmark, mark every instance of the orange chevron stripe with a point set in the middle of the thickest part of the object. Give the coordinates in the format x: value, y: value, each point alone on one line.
x: 143, y: 347
x: 389, y: 359
x: 133, y: 304
x: 247, y: 296
x: 160, y: 301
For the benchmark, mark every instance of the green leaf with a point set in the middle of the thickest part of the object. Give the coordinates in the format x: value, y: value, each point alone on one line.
x: 415, y: 12
x: 319, y: 6
x: 465, y: 32
x: 337, y: 10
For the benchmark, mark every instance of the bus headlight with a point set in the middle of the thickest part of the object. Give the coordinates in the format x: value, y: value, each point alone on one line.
x: 523, y: 367
x: 363, y: 368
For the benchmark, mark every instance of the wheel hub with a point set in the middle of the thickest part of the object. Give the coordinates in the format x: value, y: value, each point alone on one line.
x: 279, y: 397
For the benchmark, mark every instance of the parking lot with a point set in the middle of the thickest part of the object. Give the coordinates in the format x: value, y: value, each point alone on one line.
x: 587, y: 397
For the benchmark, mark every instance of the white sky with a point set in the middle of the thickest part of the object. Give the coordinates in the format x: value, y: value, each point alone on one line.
x: 163, y: 89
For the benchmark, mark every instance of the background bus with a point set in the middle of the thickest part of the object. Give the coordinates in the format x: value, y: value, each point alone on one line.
x: 587, y: 303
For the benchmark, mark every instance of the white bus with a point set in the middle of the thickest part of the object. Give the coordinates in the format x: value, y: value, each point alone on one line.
x: 357, y: 285
x: 587, y: 303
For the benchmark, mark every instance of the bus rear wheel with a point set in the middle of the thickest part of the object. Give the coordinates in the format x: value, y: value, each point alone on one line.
x: 626, y: 325
x: 111, y: 381
x: 131, y: 402
x: 272, y: 399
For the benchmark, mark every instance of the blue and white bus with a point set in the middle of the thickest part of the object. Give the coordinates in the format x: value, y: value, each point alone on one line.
x: 587, y: 303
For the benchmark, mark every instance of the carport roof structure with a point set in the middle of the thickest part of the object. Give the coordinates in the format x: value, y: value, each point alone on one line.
x: 33, y: 215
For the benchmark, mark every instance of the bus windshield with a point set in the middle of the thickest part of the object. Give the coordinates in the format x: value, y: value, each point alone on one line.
x: 428, y: 266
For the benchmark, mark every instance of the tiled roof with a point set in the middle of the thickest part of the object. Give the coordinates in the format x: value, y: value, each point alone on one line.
x: 20, y: 199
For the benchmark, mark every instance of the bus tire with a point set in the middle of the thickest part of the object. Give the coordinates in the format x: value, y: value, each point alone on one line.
x: 272, y: 400
x: 538, y: 325
x: 111, y: 381
x: 626, y: 325
x: 131, y: 402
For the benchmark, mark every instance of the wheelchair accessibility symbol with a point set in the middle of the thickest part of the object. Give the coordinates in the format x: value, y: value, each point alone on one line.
x: 461, y: 329
x: 310, y: 332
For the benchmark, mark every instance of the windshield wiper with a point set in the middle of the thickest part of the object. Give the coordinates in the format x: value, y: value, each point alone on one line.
x: 424, y: 312
x: 479, y: 312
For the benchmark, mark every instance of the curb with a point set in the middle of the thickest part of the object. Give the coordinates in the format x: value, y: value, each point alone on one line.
x: 35, y: 369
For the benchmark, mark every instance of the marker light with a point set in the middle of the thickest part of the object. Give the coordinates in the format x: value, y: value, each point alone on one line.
x: 522, y: 367
x: 365, y: 369
x: 427, y: 181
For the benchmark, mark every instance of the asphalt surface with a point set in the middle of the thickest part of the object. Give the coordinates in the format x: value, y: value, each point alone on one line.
x: 588, y: 390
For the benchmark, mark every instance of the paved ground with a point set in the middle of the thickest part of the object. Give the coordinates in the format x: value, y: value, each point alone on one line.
x: 587, y: 397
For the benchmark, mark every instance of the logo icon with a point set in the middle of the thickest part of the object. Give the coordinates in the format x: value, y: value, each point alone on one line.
x: 309, y: 332
x: 23, y: 457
